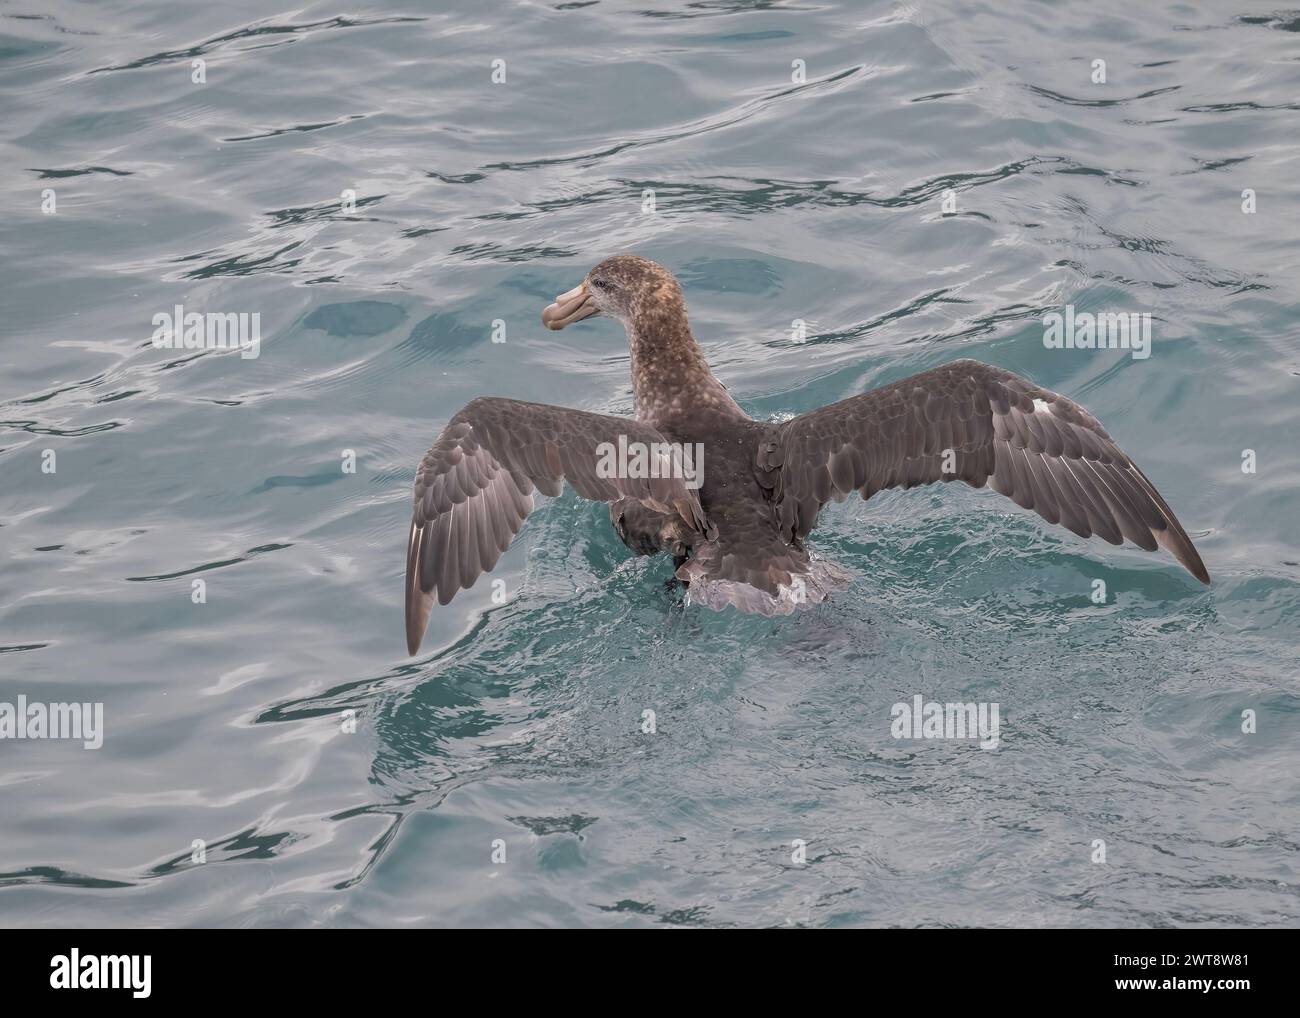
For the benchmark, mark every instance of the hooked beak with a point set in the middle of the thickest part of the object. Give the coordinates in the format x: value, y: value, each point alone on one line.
x: 570, y: 307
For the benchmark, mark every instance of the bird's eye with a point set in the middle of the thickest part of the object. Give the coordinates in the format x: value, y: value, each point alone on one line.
x: 600, y: 284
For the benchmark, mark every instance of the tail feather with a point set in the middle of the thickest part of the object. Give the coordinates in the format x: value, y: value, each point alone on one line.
x: 775, y: 585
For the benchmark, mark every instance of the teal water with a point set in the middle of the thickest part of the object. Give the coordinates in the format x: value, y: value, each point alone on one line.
x: 520, y: 722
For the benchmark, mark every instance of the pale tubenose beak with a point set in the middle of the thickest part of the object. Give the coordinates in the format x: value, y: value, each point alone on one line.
x: 570, y: 307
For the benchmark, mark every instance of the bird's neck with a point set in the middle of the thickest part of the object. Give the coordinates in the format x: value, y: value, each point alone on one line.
x: 671, y: 379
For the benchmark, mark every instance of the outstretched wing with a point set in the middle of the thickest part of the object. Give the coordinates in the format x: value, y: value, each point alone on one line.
x: 976, y: 423
x: 473, y: 490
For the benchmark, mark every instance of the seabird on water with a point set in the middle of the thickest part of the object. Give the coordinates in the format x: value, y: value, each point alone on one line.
x: 737, y: 533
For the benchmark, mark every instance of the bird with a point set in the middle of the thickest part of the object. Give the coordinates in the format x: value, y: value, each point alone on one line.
x: 736, y: 514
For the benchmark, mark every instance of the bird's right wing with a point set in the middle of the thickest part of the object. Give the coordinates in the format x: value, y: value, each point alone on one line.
x: 977, y: 423
x: 474, y: 487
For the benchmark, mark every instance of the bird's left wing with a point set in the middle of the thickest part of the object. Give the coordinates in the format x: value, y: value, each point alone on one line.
x: 473, y: 489
x: 976, y: 423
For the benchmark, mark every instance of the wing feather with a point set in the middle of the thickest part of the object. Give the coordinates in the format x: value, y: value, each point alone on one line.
x: 474, y: 488
x: 1035, y: 446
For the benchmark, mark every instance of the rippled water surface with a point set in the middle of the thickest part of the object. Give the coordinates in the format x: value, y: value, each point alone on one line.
x: 775, y: 199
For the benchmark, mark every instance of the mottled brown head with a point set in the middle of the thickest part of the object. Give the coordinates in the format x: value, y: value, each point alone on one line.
x: 622, y: 287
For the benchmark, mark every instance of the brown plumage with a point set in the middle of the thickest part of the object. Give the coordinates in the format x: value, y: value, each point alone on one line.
x: 737, y: 535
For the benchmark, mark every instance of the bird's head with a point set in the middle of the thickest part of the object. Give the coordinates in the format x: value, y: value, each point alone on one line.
x: 620, y: 287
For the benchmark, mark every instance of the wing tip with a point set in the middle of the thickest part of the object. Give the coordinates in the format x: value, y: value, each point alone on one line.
x: 419, y: 605
x: 1175, y: 540
x: 1193, y: 564
x: 413, y: 641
